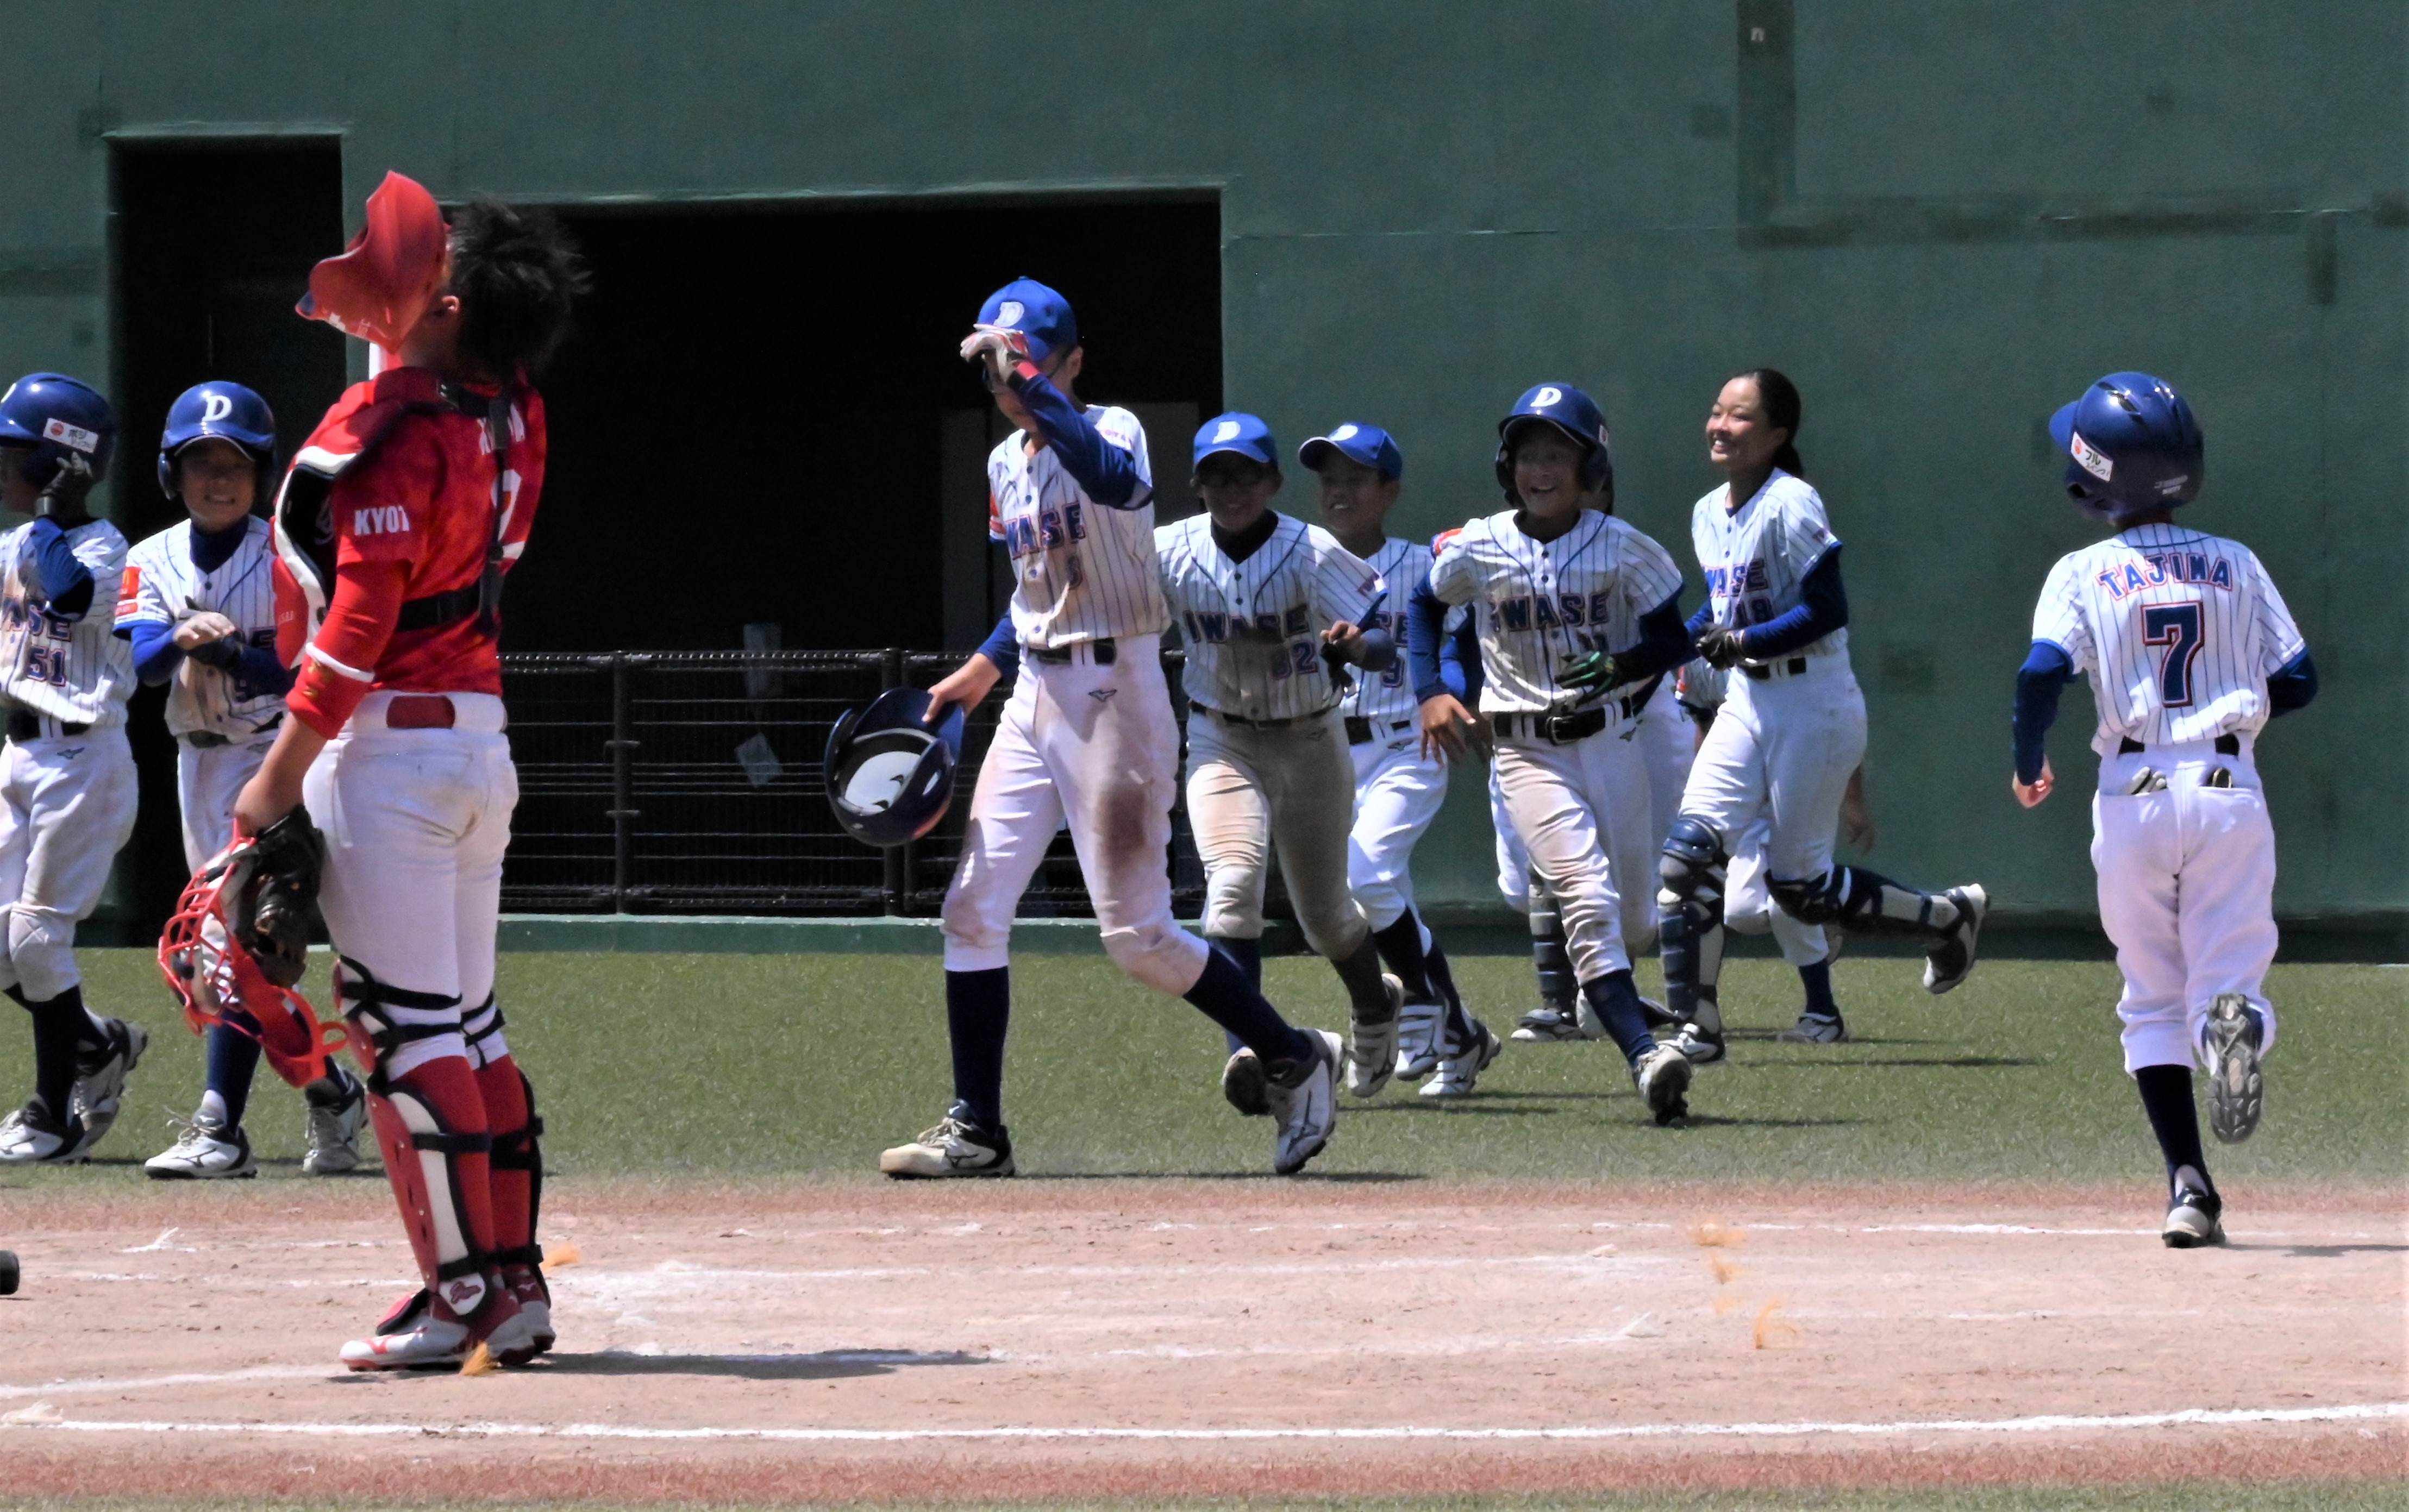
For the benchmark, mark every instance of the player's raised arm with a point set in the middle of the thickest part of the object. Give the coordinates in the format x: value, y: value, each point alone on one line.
x: 1450, y: 731
x: 1027, y: 342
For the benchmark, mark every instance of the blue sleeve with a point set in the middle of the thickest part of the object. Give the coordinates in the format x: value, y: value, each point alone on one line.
x: 1425, y: 627
x: 258, y: 667
x: 1701, y: 620
x: 1002, y: 647
x: 1664, y: 643
x: 65, y: 581
x: 1823, y: 608
x: 2044, y: 676
x: 1106, y: 472
x: 2291, y: 686
x: 155, y: 652
x: 1459, y: 662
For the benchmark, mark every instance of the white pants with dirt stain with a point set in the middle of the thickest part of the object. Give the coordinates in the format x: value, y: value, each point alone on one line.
x: 67, y: 807
x: 1252, y: 792
x: 1567, y: 805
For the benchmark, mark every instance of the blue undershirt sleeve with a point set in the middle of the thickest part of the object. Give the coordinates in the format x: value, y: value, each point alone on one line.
x: 2046, y: 672
x: 1823, y: 607
x: 1459, y: 662
x: 1107, y: 473
x: 2291, y: 686
x: 1425, y: 627
x: 1002, y: 647
x: 66, y: 581
x: 1699, y: 622
x: 155, y: 652
x: 1664, y: 643
x: 258, y: 667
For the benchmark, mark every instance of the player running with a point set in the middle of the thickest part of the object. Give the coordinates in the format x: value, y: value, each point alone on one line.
x: 1577, y: 611
x: 1087, y: 740
x: 67, y: 777
x: 199, y: 608
x: 394, y: 530
x: 1790, y: 734
x: 1399, y: 785
x: 2189, y: 651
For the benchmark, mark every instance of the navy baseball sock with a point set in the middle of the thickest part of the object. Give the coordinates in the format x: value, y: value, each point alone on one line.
x: 1617, y: 1002
x: 232, y: 1060
x: 59, y: 1027
x: 1226, y: 998
x: 1249, y: 954
x: 1401, y: 951
x: 978, y: 1010
x: 1459, y: 1023
x: 2166, y: 1097
x: 1817, y: 980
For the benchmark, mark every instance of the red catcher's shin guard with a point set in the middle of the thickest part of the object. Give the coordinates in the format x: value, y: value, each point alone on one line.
x: 516, y: 1163
x: 430, y: 1125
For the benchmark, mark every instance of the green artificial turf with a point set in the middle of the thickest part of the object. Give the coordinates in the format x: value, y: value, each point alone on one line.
x: 758, y: 1066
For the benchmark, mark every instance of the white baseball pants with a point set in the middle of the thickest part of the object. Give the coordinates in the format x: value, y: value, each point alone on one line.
x: 416, y: 822
x: 67, y: 809
x: 2186, y: 893
x: 1781, y: 751
x: 1398, y: 792
x: 1095, y: 747
x: 208, y: 780
x: 1565, y: 804
x: 1251, y: 792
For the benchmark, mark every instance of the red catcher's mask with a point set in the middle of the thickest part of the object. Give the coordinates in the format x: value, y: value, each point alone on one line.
x: 382, y: 284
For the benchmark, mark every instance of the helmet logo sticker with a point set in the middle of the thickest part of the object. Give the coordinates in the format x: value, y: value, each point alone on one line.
x: 1546, y: 396
x: 1343, y: 432
x: 1009, y: 313
x: 214, y: 408
x: 2094, y: 461
x: 74, y: 436
x: 2172, y: 486
x: 1226, y: 431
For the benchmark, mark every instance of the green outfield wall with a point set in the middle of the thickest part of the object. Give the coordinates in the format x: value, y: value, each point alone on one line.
x: 1942, y: 217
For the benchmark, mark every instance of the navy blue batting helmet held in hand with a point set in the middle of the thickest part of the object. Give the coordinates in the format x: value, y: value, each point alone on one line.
x: 890, y: 775
x: 1569, y: 410
x: 54, y: 416
x: 219, y: 411
x: 2131, y: 447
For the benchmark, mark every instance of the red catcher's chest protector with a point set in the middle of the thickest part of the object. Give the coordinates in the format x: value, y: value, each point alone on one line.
x: 367, y: 416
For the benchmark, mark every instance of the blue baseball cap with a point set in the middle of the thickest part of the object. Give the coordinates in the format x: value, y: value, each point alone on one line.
x: 1245, y: 435
x: 1037, y: 312
x: 1367, y: 444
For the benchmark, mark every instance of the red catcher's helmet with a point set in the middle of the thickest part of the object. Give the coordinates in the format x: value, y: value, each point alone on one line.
x: 219, y: 982
x: 380, y: 286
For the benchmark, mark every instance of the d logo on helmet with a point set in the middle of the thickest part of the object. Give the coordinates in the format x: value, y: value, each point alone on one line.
x: 214, y: 408
x: 1546, y: 396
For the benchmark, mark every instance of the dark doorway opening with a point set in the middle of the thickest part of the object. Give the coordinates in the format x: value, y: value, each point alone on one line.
x: 212, y: 243
x: 763, y: 420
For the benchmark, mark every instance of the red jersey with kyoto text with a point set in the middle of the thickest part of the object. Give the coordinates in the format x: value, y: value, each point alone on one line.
x: 411, y: 492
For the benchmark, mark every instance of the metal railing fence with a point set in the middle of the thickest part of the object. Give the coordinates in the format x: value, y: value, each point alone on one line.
x: 680, y: 781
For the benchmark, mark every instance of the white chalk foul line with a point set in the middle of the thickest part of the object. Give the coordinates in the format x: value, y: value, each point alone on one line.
x: 2049, y: 1423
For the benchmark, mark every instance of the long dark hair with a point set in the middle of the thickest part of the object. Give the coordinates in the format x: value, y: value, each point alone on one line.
x: 1776, y: 399
x: 516, y: 272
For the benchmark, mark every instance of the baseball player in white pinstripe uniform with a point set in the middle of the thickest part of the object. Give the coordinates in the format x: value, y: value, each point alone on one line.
x: 200, y: 608
x: 1399, y: 787
x: 66, y: 777
x: 1577, y: 613
x: 2189, y: 651
x: 1089, y: 740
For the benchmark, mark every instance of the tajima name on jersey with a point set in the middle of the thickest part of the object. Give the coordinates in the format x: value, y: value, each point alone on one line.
x: 2157, y: 568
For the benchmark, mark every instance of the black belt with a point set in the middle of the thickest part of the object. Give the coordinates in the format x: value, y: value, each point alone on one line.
x: 1102, y: 652
x: 1556, y: 730
x: 1242, y: 722
x: 2228, y: 745
x: 23, y: 725
x: 1363, y: 730
x: 1794, y: 666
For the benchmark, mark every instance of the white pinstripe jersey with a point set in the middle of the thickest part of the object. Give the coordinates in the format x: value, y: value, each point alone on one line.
x: 163, y: 584
x: 76, y: 671
x: 1081, y: 571
x: 2177, y: 631
x: 1755, y: 558
x: 1542, y: 603
x: 1390, y: 695
x: 1254, y: 628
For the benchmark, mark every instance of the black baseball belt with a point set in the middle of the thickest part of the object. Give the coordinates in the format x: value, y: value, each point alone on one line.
x: 25, y: 725
x: 1362, y: 729
x: 1100, y: 652
x: 2226, y: 745
x: 1795, y: 667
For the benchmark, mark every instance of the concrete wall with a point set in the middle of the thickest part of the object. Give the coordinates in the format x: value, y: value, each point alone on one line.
x: 1943, y: 217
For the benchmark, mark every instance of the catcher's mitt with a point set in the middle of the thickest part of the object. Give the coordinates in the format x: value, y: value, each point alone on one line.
x: 271, y: 891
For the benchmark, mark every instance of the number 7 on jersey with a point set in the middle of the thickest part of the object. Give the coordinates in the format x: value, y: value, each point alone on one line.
x: 2177, y: 628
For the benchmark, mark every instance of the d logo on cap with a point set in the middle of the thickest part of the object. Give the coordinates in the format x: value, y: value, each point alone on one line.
x: 1009, y: 313
x: 1227, y: 430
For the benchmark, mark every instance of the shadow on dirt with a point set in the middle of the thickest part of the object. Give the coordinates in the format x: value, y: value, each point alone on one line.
x: 829, y: 1364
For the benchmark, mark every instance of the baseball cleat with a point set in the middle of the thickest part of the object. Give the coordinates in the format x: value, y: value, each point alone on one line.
x: 207, y: 1151
x: 1663, y: 1076
x: 1548, y: 1024
x: 1464, y: 1063
x: 2195, y: 1216
x: 334, y: 1127
x: 100, y: 1080
x: 1372, y: 1049
x: 1658, y: 1015
x: 1421, y: 1026
x: 525, y: 1284
x: 429, y: 1344
x: 1245, y: 1087
x: 2237, y: 1089
x: 522, y: 1335
x: 955, y: 1147
x: 1813, y: 1029
x: 1701, y: 1040
x: 31, y: 1136
x: 1307, y: 1109
x: 1952, y: 961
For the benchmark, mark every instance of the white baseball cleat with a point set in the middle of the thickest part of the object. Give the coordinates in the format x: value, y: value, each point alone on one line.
x: 1701, y: 1040
x: 1953, y: 960
x: 334, y: 1131
x: 207, y: 1151
x: 1663, y: 1076
x: 1548, y: 1024
x: 427, y: 1344
x: 100, y: 1081
x: 954, y: 1147
x: 1308, y: 1113
x: 1813, y: 1029
x: 1464, y: 1063
x: 2229, y: 1040
x: 1372, y: 1049
x: 31, y: 1136
x: 1418, y: 1032
x: 2194, y: 1215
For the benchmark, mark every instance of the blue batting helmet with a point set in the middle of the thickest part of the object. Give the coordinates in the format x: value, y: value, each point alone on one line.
x: 1569, y: 410
x: 55, y: 415
x: 890, y: 775
x: 2132, y: 446
x: 222, y: 412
